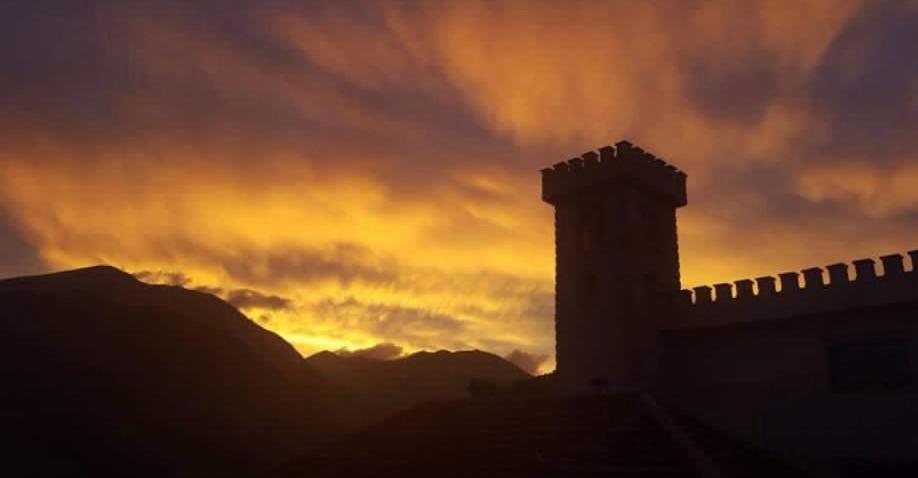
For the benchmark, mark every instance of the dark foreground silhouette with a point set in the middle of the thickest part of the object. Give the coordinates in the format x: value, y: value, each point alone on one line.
x: 104, y: 375
x: 386, y: 386
x: 601, y: 435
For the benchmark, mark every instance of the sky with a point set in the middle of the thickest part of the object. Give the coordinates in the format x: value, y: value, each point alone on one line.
x: 364, y: 175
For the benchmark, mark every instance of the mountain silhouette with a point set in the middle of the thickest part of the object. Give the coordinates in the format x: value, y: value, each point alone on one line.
x: 386, y: 386
x: 107, y: 376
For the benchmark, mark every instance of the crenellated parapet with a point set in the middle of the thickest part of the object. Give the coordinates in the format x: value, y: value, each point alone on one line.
x: 810, y: 291
x: 623, y: 162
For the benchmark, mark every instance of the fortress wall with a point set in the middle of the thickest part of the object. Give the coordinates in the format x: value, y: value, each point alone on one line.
x: 754, y: 358
x: 811, y: 291
x: 623, y: 161
x: 769, y: 383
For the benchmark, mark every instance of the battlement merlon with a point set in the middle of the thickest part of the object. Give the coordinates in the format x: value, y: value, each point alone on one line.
x: 727, y: 303
x: 623, y: 162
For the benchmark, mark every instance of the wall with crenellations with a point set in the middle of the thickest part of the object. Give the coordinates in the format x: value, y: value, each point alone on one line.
x: 813, y: 290
x: 821, y: 373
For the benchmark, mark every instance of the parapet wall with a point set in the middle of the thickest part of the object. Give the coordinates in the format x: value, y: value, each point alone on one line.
x: 821, y: 290
x: 624, y: 161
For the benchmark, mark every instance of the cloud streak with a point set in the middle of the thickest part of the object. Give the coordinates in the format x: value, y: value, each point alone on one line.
x: 252, y: 299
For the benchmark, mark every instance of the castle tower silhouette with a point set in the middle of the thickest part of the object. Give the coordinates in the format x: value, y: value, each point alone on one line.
x: 617, y: 257
x: 832, y: 349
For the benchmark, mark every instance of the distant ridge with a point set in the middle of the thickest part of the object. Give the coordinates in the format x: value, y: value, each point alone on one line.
x: 387, y: 386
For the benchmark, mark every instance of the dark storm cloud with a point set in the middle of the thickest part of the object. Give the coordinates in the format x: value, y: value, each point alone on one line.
x: 16, y: 255
x: 733, y: 92
x: 240, y: 298
x: 218, y: 291
x: 248, y: 299
x: 424, y: 329
x: 868, y: 85
x: 866, y: 89
x: 341, y: 262
x: 56, y: 67
x: 832, y: 192
x: 140, y: 78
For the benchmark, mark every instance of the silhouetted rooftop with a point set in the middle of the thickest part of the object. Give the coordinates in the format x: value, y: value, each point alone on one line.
x: 587, y: 436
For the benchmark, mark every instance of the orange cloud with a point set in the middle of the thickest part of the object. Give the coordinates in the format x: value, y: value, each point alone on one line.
x: 876, y: 191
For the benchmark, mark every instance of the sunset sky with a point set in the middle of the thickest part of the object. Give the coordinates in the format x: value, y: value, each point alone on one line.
x: 357, y: 173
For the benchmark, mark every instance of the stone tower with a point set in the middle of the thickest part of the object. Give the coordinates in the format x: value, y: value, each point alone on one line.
x: 617, y: 261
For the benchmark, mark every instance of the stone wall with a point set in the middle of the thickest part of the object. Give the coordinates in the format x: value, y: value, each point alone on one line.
x: 821, y: 290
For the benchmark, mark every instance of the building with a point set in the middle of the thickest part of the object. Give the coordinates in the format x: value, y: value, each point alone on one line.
x: 616, y: 250
x: 819, y: 371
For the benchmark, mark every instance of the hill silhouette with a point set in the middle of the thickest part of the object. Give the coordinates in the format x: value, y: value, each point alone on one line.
x: 108, y: 376
x: 386, y: 386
